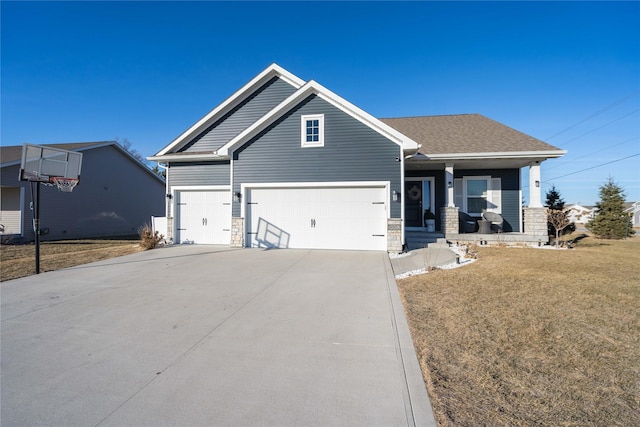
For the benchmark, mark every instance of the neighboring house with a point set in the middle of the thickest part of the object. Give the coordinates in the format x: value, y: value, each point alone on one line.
x: 288, y: 163
x: 580, y: 214
x: 633, y: 209
x: 116, y: 195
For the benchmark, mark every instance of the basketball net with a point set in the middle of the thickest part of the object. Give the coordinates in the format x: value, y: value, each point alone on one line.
x: 65, y: 184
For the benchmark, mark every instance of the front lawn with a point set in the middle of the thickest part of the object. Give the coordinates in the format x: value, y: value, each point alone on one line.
x: 529, y: 337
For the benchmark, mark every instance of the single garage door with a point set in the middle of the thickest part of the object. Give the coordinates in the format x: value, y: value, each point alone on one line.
x: 203, y: 217
x: 317, y: 217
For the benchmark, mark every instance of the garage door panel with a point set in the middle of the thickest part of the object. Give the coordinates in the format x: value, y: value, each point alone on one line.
x: 317, y: 218
x: 203, y: 217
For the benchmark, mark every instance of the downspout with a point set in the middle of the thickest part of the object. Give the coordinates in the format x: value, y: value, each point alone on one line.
x: 168, y: 197
x: 402, y: 193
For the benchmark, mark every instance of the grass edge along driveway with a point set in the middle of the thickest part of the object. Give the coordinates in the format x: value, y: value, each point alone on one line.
x: 532, y: 337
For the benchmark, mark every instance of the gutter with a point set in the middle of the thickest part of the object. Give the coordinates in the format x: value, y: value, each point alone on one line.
x: 496, y: 155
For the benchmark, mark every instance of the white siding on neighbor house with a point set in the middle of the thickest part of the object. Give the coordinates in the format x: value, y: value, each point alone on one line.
x: 10, y: 212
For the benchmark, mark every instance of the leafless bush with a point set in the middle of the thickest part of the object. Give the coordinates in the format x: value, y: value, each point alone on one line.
x: 150, y: 239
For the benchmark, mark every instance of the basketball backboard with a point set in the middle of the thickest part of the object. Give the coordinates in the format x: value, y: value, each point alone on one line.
x: 45, y: 164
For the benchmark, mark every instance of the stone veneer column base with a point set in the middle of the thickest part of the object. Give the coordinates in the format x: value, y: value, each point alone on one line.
x: 449, y: 220
x: 394, y: 235
x: 535, y: 223
x: 169, y: 236
x: 237, y: 233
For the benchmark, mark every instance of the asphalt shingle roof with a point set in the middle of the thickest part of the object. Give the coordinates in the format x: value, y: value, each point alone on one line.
x: 13, y: 153
x: 464, y: 133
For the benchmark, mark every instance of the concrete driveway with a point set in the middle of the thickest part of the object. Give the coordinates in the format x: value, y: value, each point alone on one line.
x: 204, y: 336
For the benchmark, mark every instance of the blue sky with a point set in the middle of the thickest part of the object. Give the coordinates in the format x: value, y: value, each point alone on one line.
x: 564, y: 72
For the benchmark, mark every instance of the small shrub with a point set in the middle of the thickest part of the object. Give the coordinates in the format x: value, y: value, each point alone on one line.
x: 150, y: 239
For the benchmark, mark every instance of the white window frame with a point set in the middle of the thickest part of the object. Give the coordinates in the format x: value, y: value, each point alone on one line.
x: 494, y: 194
x: 465, y: 194
x: 303, y: 130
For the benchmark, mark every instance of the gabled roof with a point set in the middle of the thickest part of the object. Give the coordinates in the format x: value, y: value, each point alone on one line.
x: 314, y: 88
x: 469, y: 135
x: 273, y: 70
x: 12, y: 155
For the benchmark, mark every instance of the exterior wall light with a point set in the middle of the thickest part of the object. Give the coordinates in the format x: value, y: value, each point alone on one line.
x: 237, y: 197
x: 395, y: 196
x: 538, y: 184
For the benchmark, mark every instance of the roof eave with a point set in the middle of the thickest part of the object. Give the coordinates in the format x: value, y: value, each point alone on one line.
x: 187, y: 157
x: 271, y: 71
x: 547, y: 154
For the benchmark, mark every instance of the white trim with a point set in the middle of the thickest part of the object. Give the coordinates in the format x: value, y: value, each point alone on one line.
x: 303, y: 130
x: 310, y: 88
x: 187, y: 157
x: 497, y: 154
x: 237, y: 97
x: 402, y: 218
x: 432, y: 199
x: 341, y: 184
x: 465, y: 179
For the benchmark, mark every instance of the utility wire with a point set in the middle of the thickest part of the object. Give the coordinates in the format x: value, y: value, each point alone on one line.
x: 560, y: 163
x: 600, y: 127
x: 595, y: 114
x: 583, y: 170
x: 592, y: 167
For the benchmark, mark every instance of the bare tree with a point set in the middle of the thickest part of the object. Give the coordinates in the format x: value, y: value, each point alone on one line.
x: 559, y: 219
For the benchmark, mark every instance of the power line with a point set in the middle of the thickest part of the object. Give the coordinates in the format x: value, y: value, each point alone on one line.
x: 592, y: 167
x: 595, y: 114
x: 600, y: 127
x: 590, y: 154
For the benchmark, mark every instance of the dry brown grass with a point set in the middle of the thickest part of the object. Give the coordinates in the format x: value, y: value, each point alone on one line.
x: 527, y: 337
x: 19, y: 260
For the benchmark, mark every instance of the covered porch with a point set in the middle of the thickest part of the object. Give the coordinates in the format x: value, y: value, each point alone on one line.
x: 438, y: 193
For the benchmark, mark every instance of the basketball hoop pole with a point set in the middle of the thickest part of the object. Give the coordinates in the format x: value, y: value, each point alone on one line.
x: 36, y: 225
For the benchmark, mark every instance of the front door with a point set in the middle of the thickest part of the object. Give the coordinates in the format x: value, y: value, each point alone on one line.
x: 418, y: 197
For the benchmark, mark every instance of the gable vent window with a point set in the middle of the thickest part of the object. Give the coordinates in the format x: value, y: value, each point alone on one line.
x: 313, y: 130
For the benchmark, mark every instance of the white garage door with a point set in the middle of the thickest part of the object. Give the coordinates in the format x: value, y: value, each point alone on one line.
x: 317, y: 218
x: 203, y: 217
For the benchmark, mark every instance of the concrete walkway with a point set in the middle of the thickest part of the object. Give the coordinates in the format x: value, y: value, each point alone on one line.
x: 202, y: 336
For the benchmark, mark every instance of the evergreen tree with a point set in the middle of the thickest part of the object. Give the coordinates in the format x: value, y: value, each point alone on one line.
x: 554, y: 200
x: 610, y: 221
x: 555, y: 204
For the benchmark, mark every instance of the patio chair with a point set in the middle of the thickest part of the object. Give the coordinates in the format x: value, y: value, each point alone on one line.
x: 495, y: 219
x: 467, y: 223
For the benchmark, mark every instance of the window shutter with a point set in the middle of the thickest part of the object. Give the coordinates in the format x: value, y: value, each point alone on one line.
x: 495, y: 196
x: 457, y: 193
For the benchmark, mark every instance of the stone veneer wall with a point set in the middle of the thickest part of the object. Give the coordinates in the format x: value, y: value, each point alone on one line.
x: 169, y: 236
x: 394, y: 235
x: 535, y: 223
x: 449, y: 220
x: 237, y: 233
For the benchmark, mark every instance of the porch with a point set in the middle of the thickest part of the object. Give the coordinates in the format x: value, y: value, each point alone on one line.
x: 422, y: 239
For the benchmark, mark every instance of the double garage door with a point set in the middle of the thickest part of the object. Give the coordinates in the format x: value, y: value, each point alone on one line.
x: 317, y: 217
x: 203, y: 216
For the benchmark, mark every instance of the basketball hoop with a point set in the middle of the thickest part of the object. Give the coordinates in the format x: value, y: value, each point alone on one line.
x: 65, y: 184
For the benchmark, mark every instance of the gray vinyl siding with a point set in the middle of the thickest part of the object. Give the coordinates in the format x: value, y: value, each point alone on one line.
x: 352, y: 152
x: 115, y: 197
x: 242, y: 116
x: 510, y: 186
x: 201, y: 173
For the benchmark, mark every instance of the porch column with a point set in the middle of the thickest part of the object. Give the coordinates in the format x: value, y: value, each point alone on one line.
x: 448, y: 182
x: 535, y: 201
